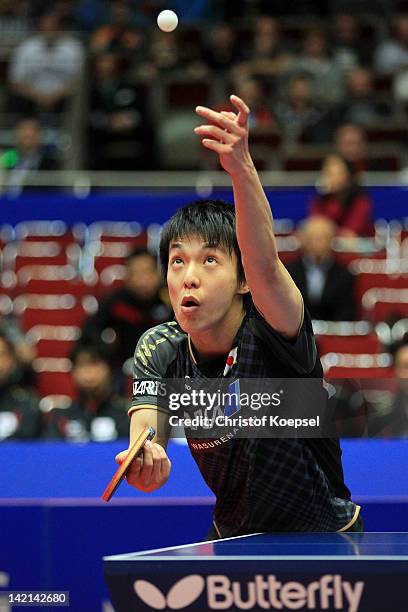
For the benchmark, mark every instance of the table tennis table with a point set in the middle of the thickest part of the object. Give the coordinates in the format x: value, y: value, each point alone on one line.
x: 354, y: 572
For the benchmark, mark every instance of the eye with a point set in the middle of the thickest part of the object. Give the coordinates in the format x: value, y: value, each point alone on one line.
x: 176, y: 261
x: 211, y: 259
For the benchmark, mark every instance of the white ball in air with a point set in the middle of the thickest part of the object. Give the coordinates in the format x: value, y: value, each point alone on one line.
x: 167, y: 21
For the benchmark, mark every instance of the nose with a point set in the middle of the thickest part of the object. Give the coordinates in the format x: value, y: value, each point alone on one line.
x: 191, y: 278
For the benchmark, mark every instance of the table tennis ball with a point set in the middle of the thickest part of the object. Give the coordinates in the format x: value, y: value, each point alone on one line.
x: 167, y: 21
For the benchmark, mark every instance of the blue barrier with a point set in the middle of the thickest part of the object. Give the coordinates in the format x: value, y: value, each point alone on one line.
x: 156, y: 206
x: 373, y: 468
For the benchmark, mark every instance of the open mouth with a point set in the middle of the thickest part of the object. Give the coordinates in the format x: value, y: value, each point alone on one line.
x: 189, y: 302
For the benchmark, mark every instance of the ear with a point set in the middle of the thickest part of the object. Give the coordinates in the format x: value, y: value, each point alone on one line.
x: 243, y: 288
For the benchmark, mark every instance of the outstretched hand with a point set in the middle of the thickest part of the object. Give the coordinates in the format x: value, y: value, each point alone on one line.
x: 226, y: 133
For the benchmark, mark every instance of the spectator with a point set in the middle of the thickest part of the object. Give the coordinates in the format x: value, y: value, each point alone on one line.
x: 326, y: 285
x: 169, y: 56
x: 399, y: 414
x: 19, y: 411
x: 349, y: 49
x: 221, y: 51
x: 64, y: 8
x: 38, y: 8
x: 362, y: 105
x: 267, y: 56
x: 253, y: 92
x: 121, y: 35
x: 301, y: 116
x: 350, y: 142
x: 120, y: 135
x: 315, y: 62
x: 66, y: 11
x: 131, y: 309
x: 24, y: 350
x: 29, y: 155
x: 97, y: 414
x: 343, y: 200
x: 45, y: 68
x: 394, y: 421
x: 164, y: 55
x: 392, y: 54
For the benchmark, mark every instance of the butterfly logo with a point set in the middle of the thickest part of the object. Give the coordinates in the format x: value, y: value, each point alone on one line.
x: 182, y: 594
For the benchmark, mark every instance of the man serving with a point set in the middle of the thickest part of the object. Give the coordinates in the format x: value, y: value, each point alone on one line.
x: 239, y: 315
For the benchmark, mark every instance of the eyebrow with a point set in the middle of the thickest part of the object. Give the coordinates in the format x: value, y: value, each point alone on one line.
x: 205, y: 246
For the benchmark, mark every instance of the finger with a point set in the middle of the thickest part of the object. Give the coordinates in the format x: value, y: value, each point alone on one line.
x: 230, y: 115
x: 146, y: 471
x: 167, y: 469
x: 120, y: 457
x: 219, y: 119
x: 242, y: 108
x: 133, y: 473
x: 165, y: 464
x: 157, y: 464
x: 215, y: 132
x: 218, y: 147
x: 135, y: 466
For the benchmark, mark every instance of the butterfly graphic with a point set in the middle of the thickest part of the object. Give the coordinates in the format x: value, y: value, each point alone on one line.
x: 180, y: 595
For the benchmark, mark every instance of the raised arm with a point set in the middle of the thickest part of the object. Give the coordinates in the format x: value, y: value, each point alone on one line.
x: 274, y: 293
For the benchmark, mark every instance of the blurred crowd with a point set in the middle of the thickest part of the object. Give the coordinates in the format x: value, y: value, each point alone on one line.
x: 97, y: 408
x: 308, y: 70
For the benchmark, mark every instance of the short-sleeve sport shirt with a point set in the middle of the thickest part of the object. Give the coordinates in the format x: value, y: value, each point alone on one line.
x: 260, y: 484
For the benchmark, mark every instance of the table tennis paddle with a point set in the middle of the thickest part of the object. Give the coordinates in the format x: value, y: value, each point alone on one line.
x: 148, y: 433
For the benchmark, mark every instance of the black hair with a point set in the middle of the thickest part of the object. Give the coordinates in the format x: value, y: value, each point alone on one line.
x: 96, y: 351
x: 348, y: 196
x: 212, y: 220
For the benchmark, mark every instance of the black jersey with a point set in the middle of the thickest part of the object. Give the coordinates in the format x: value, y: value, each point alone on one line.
x: 260, y: 484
